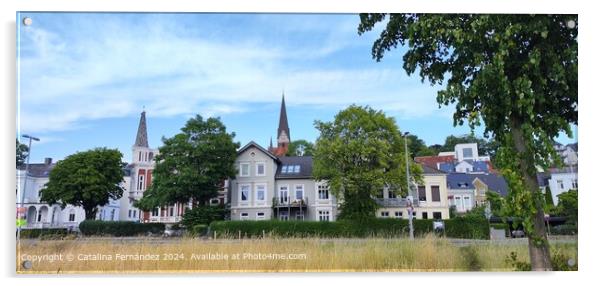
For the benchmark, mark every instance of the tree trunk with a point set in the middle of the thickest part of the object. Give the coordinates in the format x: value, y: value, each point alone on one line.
x: 90, y: 213
x: 539, y: 251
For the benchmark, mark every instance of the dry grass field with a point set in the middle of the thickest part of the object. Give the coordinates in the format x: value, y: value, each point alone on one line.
x: 145, y: 255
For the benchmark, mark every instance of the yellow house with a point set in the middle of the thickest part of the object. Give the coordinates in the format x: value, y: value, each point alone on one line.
x: 431, y: 198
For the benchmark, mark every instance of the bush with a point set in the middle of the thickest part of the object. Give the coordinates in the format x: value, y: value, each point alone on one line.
x: 120, y: 228
x: 45, y: 233
x: 203, y: 215
x: 472, y: 227
x: 564, y: 229
x: 200, y: 229
x: 382, y: 227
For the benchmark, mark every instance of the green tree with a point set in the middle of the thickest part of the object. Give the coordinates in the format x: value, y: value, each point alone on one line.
x: 192, y: 164
x: 568, y: 206
x: 87, y: 179
x: 300, y: 148
x: 200, y: 215
x: 22, y: 153
x: 515, y: 73
x: 496, y: 203
x: 549, y: 200
x: 417, y: 147
x: 358, y: 154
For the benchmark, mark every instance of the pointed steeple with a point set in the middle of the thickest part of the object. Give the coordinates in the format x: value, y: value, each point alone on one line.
x: 271, y: 145
x: 141, y: 136
x: 283, y: 125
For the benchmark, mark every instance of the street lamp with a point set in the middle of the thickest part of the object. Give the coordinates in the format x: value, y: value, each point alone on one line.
x: 21, y: 210
x: 409, y: 197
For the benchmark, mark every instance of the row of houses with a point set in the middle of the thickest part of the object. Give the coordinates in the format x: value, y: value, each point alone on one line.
x: 271, y: 185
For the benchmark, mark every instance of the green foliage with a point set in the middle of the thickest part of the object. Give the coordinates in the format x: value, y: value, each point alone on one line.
x: 560, y: 262
x: 300, y: 148
x: 200, y: 229
x: 44, y: 232
x: 549, y: 200
x: 203, y: 215
x: 22, y: 152
x: 417, y: 147
x: 358, y: 154
x: 192, y: 164
x: 453, y: 212
x: 515, y: 73
x: 496, y: 203
x: 87, y: 179
x: 119, y: 228
x: 381, y: 227
x: 568, y: 206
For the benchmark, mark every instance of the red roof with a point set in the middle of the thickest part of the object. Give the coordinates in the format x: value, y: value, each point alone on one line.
x: 432, y: 161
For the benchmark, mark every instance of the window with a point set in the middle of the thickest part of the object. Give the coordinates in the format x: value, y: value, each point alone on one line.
x: 260, y: 192
x: 260, y: 169
x: 299, y: 216
x: 214, y: 202
x: 72, y: 215
x: 467, y: 203
x: 284, y: 216
x: 324, y: 215
x: 398, y: 214
x: 574, y: 184
x: 155, y: 212
x: 283, y: 194
x: 425, y: 215
x: 421, y: 193
x: 299, y: 192
x: 150, y: 156
x: 392, y: 194
x: 244, y: 216
x: 129, y: 213
x: 436, y: 215
x: 323, y: 192
x: 140, y: 182
x: 40, y: 216
x: 139, y: 156
x: 135, y: 214
x: 170, y: 211
x: 244, y: 169
x: 467, y: 152
x: 244, y: 193
x: 560, y: 184
x: 145, y: 156
x: 260, y: 216
x: 297, y: 169
x: 113, y: 214
x: 435, y: 194
x: 384, y: 214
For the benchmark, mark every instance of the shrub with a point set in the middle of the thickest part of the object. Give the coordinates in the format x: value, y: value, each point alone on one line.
x: 119, y: 228
x: 564, y: 229
x: 203, y: 215
x: 200, y: 229
x: 382, y: 227
x: 45, y: 233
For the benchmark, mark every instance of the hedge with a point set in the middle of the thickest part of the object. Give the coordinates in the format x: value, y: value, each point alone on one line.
x: 382, y: 227
x: 44, y: 232
x: 120, y: 228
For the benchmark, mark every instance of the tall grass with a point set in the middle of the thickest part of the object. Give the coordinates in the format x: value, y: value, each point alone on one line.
x: 427, y: 253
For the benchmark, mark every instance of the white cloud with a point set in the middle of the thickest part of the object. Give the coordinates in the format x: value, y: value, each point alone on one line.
x: 67, y: 80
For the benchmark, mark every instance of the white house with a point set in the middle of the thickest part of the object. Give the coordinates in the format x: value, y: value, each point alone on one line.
x: 562, y: 180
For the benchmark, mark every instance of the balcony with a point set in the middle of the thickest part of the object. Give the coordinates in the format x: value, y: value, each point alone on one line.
x: 286, y: 202
x: 165, y: 219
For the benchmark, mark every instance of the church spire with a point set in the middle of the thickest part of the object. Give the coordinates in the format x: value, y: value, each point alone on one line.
x: 284, y: 135
x: 141, y: 136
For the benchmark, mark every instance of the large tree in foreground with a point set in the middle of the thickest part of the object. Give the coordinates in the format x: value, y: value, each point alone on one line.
x: 516, y: 73
x: 358, y: 154
x: 192, y: 164
x: 86, y: 179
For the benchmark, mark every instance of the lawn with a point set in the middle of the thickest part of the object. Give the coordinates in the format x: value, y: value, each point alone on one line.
x: 147, y: 255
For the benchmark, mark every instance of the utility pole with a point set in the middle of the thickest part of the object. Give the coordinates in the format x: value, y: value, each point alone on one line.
x: 21, y: 211
x: 409, y: 197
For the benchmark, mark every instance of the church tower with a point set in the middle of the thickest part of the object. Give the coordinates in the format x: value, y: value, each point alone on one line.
x: 283, y: 133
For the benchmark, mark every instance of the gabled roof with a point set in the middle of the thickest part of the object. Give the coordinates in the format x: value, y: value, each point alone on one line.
x: 305, y: 164
x: 432, y: 161
x: 462, y: 181
x: 38, y: 170
x: 253, y: 144
x: 432, y: 171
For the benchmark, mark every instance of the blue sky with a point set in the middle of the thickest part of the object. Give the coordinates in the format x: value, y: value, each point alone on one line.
x: 85, y: 77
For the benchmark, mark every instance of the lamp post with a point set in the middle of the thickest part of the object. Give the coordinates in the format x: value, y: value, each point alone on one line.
x: 409, y: 197
x: 21, y: 206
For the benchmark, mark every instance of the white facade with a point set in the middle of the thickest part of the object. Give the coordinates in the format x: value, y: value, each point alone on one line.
x: 562, y: 182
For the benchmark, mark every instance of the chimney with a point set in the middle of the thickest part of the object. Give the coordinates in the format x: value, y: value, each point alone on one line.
x: 47, y: 161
